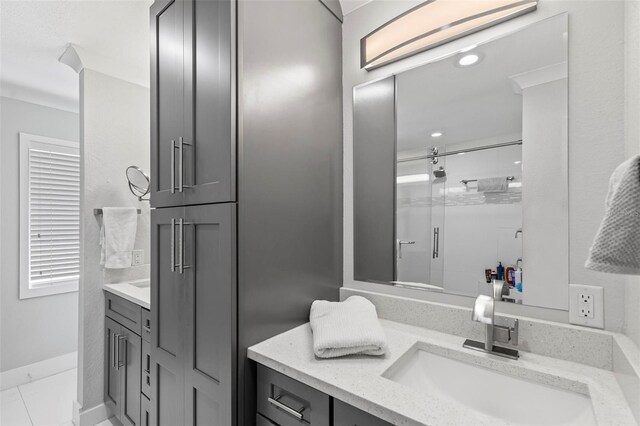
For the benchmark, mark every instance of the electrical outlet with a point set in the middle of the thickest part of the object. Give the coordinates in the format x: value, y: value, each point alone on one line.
x: 137, y: 257
x: 586, y: 305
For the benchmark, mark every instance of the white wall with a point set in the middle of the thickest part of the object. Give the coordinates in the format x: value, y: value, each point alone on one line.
x: 632, y: 142
x: 42, y: 327
x: 114, y: 129
x: 596, y: 127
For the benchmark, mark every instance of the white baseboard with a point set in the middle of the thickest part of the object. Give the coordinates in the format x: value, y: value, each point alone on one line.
x: 38, y: 370
x: 90, y: 417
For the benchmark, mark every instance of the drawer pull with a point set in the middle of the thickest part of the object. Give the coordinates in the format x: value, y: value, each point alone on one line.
x: 288, y: 410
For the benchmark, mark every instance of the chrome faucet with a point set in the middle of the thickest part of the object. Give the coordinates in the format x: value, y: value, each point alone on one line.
x: 483, y: 312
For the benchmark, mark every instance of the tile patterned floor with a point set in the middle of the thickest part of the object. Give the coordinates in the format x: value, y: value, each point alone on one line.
x: 44, y: 402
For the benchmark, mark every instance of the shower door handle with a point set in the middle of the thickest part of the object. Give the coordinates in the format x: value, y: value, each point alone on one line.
x: 400, y: 244
x: 436, y: 242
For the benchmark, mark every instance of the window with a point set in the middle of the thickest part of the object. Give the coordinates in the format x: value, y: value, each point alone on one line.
x: 49, y: 216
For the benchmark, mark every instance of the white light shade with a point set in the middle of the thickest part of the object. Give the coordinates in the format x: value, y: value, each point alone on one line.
x: 436, y: 134
x: 433, y: 23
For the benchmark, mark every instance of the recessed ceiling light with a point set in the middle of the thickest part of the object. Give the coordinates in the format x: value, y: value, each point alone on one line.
x: 436, y: 134
x: 517, y: 162
x: 468, y: 60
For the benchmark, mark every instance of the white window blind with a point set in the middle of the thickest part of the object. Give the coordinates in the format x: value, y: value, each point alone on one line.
x: 50, y: 215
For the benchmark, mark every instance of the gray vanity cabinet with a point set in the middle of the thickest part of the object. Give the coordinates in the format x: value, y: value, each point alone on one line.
x: 123, y: 372
x: 194, y: 306
x: 347, y: 415
x: 192, y: 107
x: 284, y: 401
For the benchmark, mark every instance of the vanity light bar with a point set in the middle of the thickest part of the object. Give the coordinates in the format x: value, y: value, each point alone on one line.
x: 433, y: 23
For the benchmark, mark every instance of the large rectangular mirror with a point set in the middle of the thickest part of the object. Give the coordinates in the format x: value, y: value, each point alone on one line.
x: 461, y: 171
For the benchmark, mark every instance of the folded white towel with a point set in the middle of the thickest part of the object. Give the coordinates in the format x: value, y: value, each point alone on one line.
x: 616, y: 248
x: 117, y: 236
x: 498, y: 184
x: 346, y: 328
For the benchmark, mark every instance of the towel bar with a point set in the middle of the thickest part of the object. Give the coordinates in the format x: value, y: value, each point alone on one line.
x: 99, y: 211
x: 466, y: 181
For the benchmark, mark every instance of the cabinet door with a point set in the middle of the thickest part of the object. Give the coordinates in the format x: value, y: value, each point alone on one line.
x: 210, y: 155
x: 112, y: 396
x: 346, y: 415
x: 130, y: 368
x: 167, y: 295
x: 167, y: 101
x: 209, y: 320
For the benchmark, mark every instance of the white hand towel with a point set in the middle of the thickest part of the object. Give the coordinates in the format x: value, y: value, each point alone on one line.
x: 616, y: 248
x: 117, y: 236
x: 499, y: 184
x: 346, y: 328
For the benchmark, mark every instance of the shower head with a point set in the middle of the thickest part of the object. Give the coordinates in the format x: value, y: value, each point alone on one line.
x: 439, y: 173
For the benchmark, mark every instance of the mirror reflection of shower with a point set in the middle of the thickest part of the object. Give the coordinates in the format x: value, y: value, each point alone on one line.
x: 457, y: 224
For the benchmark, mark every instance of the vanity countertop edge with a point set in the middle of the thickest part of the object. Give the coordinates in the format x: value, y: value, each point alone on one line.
x: 141, y: 296
x: 358, y: 380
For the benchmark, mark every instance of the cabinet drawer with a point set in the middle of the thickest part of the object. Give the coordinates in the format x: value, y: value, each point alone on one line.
x: 146, y: 368
x: 146, y: 325
x: 123, y: 312
x: 347, y: 415
x: 263, y: 421
x: 287, y: 402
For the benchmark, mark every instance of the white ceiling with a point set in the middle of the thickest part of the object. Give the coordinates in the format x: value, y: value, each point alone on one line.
x: 111, y: 37
x: 476, y: 102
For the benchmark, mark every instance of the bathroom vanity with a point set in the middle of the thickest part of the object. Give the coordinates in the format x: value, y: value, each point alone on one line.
x: 127, y: 360
x: 427, y: 377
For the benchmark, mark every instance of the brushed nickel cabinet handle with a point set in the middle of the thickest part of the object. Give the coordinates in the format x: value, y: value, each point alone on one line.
x: 173, y: 245
x: 276, y: 403
x: 121, y: 337
x: 114, y: 336
x: 173, y: 166
x: 181, y: 145
x: 181, y: 265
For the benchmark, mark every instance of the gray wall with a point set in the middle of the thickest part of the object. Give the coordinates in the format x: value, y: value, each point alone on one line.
x: 632, y: 140
x: 114, y: 129
x: 596, y: 128
x: 40, y: 327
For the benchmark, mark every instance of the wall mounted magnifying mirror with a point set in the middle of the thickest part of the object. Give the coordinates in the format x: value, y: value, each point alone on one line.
x: 139, y: 182
x: 461, y: 171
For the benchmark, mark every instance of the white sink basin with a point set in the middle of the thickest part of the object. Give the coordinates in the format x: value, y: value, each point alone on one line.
x: 511, y: 399
x: 140, y: 283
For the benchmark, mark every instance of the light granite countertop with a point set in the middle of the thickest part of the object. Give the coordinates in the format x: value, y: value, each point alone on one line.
x: 359, y: 381
x: 138, y: 291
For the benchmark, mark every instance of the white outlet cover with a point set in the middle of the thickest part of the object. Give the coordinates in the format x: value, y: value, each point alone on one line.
x: 597, y: 293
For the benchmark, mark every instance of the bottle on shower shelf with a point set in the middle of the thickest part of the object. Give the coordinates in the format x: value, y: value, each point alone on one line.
x: 500, y: 272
